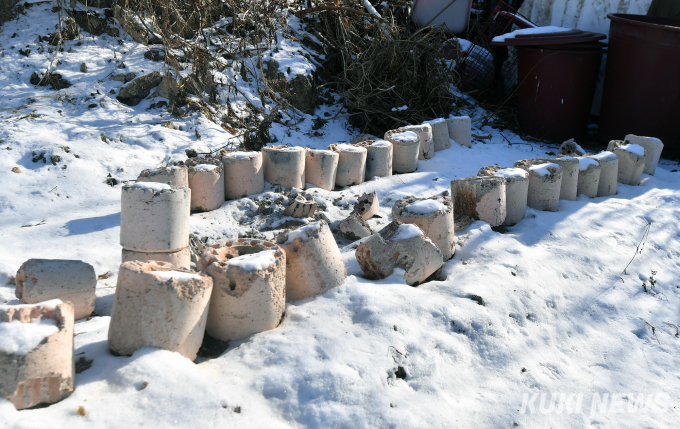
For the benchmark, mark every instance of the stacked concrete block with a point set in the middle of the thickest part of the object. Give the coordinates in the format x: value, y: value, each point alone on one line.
x: 36, y: 353
x: 159, y: 305
x: 206, y: 181
x: 406, y: 147
x: 243, y: 174
x: 249, y: 293
x: 175, y: 175
x: 516, y: 191
x: 321, y: 168
x: 351, y: 164
x: 424, y: 132
x: 284, y: 165
x: 378, y: 158
x: 632, y: 161
x: 588, y: 177
x: 545, y: 182
x: 460, y: 130
x: 480, y: 198
x: 314, y: 263
x: 440, y: 134
x: 155, y: 219
x: 434, y: 216
x: 41, y: 280
x: 609, y: 173
x: 653, y: 148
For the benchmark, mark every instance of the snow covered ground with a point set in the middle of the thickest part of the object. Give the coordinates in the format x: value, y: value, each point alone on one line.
x: 563, y: 337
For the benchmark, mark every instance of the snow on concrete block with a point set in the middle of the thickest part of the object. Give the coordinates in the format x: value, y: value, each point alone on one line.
x: 653, y: 148
x: 284, y: 165
x: 159, y: 305
x: 354, y: 227
x: 399, y: 246
x: 440, y: 134
x: 434, y: 216
x: 516, y: 191
x: 154, y: 217
x: 206, y: 181
x: 243, y: 174
x: 321, y: 167
x: 570, y: 172
x: 363, y: 138
x: 571, y: 148
x: 588, y: 177
x: 480, y: 198
x: 424, y: 131
x: 36, y: 353
x: 175, y: 175
x: 405, y: 150
x: 301, y: 207
x: 249, y: 294
x: 41, y: 280
x: 545, y: 182
x: 314, y: 263
x: 351, y: 164
x: 367, y: 205
x: 609, y: 173
x: 379, y: 155
x: 460, y: 130
x: 632, y: 161
x: 179, y: 258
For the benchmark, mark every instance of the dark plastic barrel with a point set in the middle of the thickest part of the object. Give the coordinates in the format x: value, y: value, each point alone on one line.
x: 642, y: 82
x: 556, y: 89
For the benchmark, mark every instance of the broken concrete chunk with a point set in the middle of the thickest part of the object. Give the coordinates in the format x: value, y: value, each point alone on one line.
x: 137, y: 90
x: 41, y: 280
x: 571, y: 148
x: 354, y: 227
x: 434, y: 216
x: 301, y: 207
x: 399, y: 246
x: 36, y: 354
x: 479, y: 198
x: 367, y: 205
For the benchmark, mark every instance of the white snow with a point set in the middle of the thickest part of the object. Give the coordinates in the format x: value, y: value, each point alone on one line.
x: 180, y: 276
x: 436, y: 121
x: 511, y: 172
x: 18, y: 338
x: 604, y: 156
x: 400, y: 109
x: 542, y: 169
x: 633, y: 148
x: 406, y: 231
x: 322, y: 151
x: 344, y: 147
x: 525, y: 31
x: 291, y: 149
x: 584, y: 163
x: 254, y: 261
x: 205, y: 168
x: 425, y: 207
x: 579, y: 148
x: 154, y: 186
x: 301, y: 233
x: 239, y: 155
x: 405, y: 136
x: 381, y: 143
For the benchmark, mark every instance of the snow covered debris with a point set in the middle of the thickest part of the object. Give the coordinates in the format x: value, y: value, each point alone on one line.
x: 254, y: 261
x: 18, y: 338
x: 425, y: 207
x: 525, y: 31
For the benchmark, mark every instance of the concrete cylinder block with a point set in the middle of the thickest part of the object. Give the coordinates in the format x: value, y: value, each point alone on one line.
x: 314, y: 263
x: 378, y: 158
x: 36, y: 353
x: 206, y: 181
x: 653, y: 148
x: 480, y: 198
x: 174, y: 175
x: 516, y: 191
x: 460, y: 130
x: 405, y: 150
x: 321, y: 166
x: 402, y: 246
x: 632, y: 161
x: 351, y: 164
x: 440, y: 134
x: 363, y: 138
x: 243, y: 174
x: 609, y: 173
x: 424, y: 132
x: 154, y: 217
x: 158, y: 305
x: 180, y: 258
x: 588, y: 177
x: 545, y: 181
x: 434, y: 216
x: 41, y: 280
x: 284, y: 165
x: 570, y: 171
x: 249, y: 294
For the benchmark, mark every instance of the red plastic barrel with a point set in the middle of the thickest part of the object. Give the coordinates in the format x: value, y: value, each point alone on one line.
x: 642, y: 82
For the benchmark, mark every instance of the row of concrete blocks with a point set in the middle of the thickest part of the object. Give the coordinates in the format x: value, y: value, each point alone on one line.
x: 500, y: 196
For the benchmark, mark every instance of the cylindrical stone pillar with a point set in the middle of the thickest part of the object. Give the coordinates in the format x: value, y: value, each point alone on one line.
x: 174, y: 175
x: 609, y: 173
x: 545, y: 181
x: 570, y: 170
x: 206, y: 181
x: 243, y: 174
x: 249, y: 294
x: 480, y: 198
x: 314, y: 263
x: 516, y: 191
x: 158, y: 305
x: 432, y: 215
x: 440, y: 134
x: 40, y: 280
x: 378, y: 158
x: 351, y: 164
x: 154, y: 217
x: 632, y: 161
x: 180, y: 258
x: 424, y: 132
x: 321, y: 167
x: 588, y: 177
x: 284, y: 165
x: 405, y: 149
x: 460, y: 130
x: 653, y: 148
